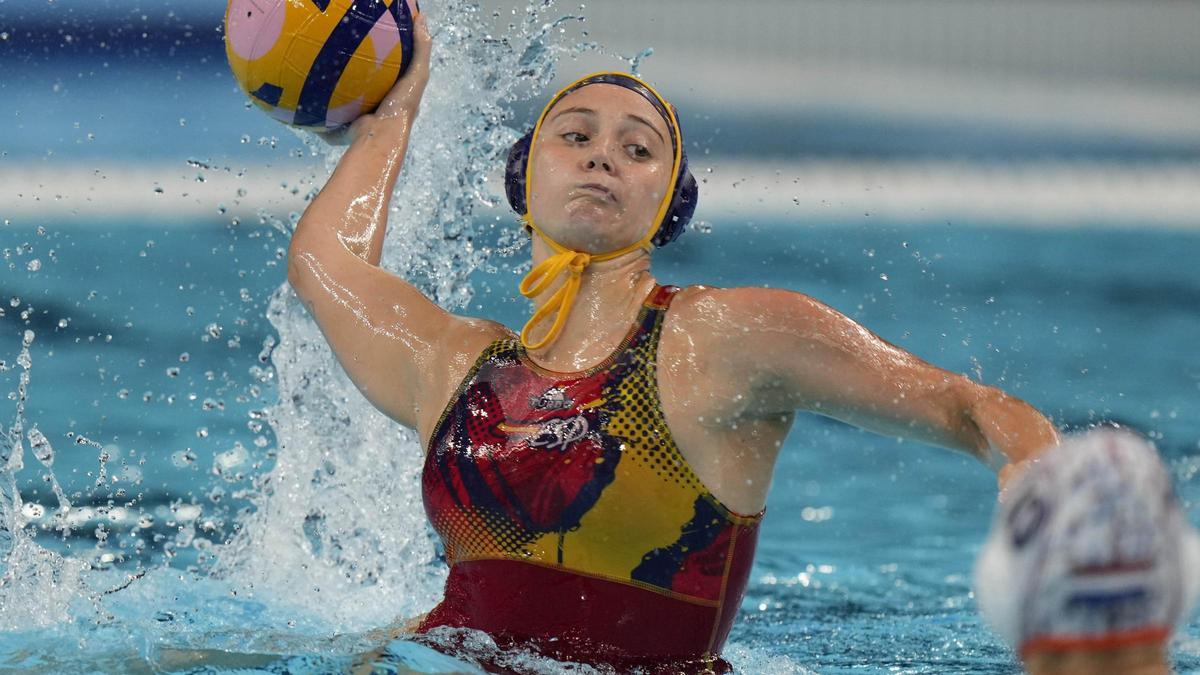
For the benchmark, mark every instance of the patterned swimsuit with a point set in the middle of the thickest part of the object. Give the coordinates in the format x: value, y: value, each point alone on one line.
x: 570, y: 520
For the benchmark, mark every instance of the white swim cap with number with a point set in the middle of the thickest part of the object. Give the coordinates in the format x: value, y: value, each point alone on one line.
x: 1090, y: 550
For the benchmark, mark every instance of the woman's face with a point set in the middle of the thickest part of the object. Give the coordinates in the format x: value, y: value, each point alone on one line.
x: 601, y: 166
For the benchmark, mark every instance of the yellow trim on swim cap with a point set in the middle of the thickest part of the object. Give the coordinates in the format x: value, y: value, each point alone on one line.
x: 569, y: 261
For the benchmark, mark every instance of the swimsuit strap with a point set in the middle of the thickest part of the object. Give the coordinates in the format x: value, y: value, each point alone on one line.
x: 661, y: 296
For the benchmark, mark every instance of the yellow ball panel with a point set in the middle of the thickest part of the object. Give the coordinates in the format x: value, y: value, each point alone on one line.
x: 367, y: 79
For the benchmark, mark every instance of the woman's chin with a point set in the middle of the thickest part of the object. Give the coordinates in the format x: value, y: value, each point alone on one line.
x: 586, y: 239
x: 592, y: 235
x: 589, y: 227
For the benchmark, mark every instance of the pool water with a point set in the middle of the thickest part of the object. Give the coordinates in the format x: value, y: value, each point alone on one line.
x: 198, y: 487
x: 214, y: 509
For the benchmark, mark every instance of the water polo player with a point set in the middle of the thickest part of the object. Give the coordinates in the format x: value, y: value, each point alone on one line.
x: 1091, y: 563
x: 598, y: 480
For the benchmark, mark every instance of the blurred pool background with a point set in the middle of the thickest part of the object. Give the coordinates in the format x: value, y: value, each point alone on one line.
x: 1009, y: 189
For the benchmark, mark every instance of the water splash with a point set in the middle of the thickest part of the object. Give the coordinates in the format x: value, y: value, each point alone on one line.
x: 635, y: 61
x: 338, y: 530
x: 746, y: 659
x: 37, y: 587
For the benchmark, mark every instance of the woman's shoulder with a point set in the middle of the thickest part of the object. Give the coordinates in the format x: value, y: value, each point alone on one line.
x: 458, y: 349
x: 702, y: 302
x: 466, y: 337
x: 720, y: 321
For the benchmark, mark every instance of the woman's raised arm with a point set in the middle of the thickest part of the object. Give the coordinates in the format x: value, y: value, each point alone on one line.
x: 399, y: 348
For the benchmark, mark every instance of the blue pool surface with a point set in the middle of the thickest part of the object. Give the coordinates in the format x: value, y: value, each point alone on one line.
x: 152, y: 339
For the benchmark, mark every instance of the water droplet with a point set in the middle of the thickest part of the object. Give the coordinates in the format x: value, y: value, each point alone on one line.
x: 183, y: 458
x: 225, y: 463
x: 40, y: 445
x: 34, y: 265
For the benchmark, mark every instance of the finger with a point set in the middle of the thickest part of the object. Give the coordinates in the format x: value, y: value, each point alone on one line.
x: 422, y: 47
x: 423, y: 41
x: 418, y: 56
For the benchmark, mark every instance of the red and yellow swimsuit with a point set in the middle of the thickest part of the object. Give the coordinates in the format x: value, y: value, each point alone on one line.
x: 570, y: 520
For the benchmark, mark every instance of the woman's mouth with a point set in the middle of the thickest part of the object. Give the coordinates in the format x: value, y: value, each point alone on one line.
x: 597, y: 190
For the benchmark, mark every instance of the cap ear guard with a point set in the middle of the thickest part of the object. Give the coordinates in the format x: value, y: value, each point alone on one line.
x: 996, y: 592
x: 514, y: 173
x: 679, y: 213
x: 1190, y: 551
x: 683, y: 206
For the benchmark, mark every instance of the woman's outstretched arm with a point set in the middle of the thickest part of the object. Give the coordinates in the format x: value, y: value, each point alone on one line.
x: 399, y: 348
x: 792, y: 352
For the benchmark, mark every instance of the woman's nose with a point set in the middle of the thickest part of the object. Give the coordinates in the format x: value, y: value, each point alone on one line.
x: 599, y: 159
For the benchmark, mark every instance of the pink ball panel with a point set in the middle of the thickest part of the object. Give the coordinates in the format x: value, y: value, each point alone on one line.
x: 253, y: 31
x: 384, y: 36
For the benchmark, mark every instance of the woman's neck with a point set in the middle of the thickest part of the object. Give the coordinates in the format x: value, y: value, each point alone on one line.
x: 610, y: 295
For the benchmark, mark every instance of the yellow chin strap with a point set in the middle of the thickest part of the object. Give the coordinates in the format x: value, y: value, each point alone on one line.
x: 570, y: 262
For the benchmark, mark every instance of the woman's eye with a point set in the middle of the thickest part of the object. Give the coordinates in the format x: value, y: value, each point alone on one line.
x: 639, y: 151
x: 575, y: 137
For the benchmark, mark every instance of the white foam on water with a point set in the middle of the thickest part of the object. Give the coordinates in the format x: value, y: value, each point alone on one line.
x: 747, y: 659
